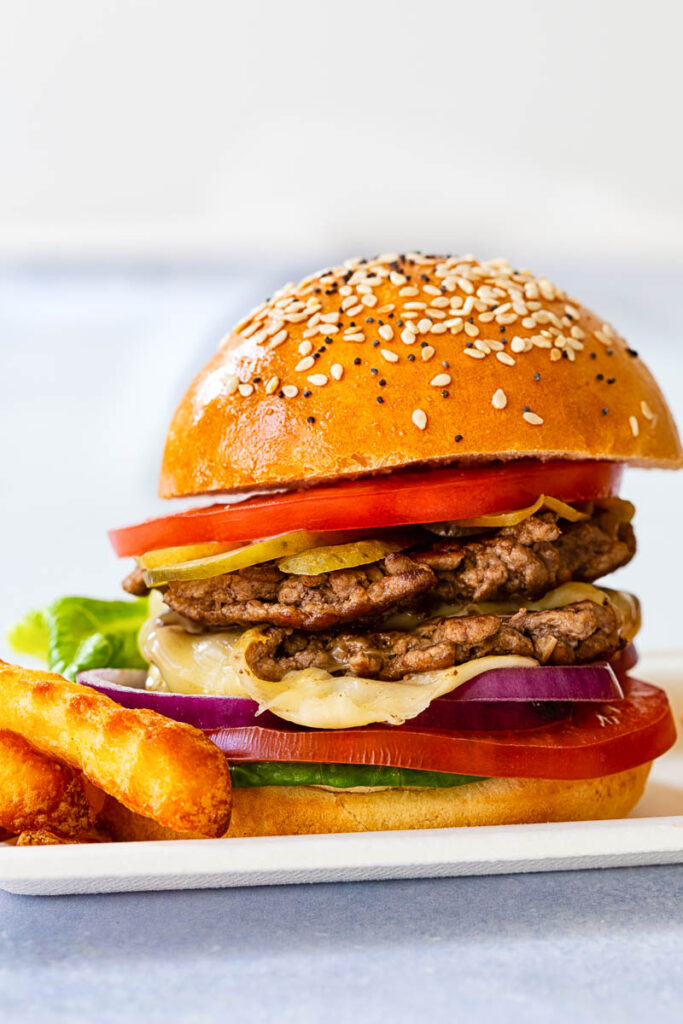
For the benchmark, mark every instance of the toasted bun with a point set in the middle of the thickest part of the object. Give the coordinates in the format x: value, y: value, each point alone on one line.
x: 305, y: 810
x: 407, y: 360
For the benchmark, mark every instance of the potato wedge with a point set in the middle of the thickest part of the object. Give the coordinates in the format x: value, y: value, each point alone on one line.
x: 37, y: 792
x: 157, y: 767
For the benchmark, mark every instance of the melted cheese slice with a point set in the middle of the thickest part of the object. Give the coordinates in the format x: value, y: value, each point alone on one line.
x: 218, y: 663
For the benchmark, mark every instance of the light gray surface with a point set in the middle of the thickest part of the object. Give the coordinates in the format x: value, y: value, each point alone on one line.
x: 598, y: 945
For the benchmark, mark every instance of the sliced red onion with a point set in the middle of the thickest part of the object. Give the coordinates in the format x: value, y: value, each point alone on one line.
x: 625, y: 660
x: 213, y: 713
x: 204, y: 711
x: 567, y: 683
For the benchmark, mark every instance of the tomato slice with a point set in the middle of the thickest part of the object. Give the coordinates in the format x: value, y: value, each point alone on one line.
x: 397, y: 499
x: 594, y: 740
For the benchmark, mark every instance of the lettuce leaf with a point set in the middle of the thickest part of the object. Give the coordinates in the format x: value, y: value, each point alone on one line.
x: 341, y: 776
x: 30, y: 636
x: 77, y: 633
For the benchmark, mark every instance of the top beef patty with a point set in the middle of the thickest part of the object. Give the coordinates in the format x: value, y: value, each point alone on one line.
x: 523, y: 561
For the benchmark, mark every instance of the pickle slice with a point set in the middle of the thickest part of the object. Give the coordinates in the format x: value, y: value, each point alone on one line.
x: 186, y: 553
x: 241, y: 557
x: 500, y: 519
x: 331, y: 557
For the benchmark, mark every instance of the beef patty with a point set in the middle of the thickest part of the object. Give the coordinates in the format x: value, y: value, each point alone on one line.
x: 523, y: 561
x: 531, y: 558
x: 578, y: 633
x: 262, y: 593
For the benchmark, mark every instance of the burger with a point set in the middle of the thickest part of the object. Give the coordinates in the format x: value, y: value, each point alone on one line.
x: 392, y: 615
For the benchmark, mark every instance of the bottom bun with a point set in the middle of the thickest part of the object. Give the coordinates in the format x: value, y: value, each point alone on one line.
x: 305, y: 810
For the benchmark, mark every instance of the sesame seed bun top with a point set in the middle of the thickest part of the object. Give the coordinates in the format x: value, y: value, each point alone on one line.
x: 412, y: 359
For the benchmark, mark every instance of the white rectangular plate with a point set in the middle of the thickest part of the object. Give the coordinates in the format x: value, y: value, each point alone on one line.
x: 653, y: 834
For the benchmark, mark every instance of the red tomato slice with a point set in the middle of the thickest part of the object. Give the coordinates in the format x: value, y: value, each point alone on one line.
x: 397, y: 499
x: 592, y: 741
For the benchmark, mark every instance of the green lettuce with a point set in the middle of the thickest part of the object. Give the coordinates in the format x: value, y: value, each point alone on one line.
x: 77, y: 633
x: 341, y: 776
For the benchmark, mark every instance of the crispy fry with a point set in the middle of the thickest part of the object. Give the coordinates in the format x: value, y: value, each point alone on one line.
x: 126, y: 826
x: 37, y: 792
x: 158, y: 768
x: 47, y: 837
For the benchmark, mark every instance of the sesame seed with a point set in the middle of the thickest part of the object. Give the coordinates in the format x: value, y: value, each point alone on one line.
x: 441, y: 380
x: 305, y: 364
x: 408, y: 336
x: 278, y: 338
x: 390, y: 357
x: 499, y: 400
x: 411, y: 356
x: 633, y: 422
x: 471, y: 330
x: 416, y: 305
x: 354, y: 311
x: 246, y: 389
x: 357, y: 337
x: 647, y: 411
x: 369, y: 300
x: 419, y: 418
x: 532, y: 418
x: 272, y: 385
x: 474, y: 353
x: 290, y: 391
x: 386, y: 332
x: 427, y: 352
x: 409, y: 291
x: 503, y: 357
x: 357, y: 361
x: 317, y: 379
x: 305, y: 348
x: 517, y: 344
x: 379, y: 400
x: 396, y: 278
x: 337, y: 371
x: 310, y: 419
x: 605, y: 411
x: 457, y: 438
x: 424, y: 325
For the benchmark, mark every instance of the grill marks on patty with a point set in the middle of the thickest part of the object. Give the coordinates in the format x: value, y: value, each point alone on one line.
x: 578, y: 633
x: 263, y: 594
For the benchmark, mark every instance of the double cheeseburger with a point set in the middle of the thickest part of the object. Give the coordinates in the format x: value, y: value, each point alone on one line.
x: 392, y: 615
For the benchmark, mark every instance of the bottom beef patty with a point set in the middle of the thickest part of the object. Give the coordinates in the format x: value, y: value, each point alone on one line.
x: 578, y: 633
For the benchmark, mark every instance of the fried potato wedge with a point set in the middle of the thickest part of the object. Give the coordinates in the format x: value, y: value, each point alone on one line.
x: 37, y: 792
x: 125, y: 826
x: 158, y: 768
x: 48, y: 837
